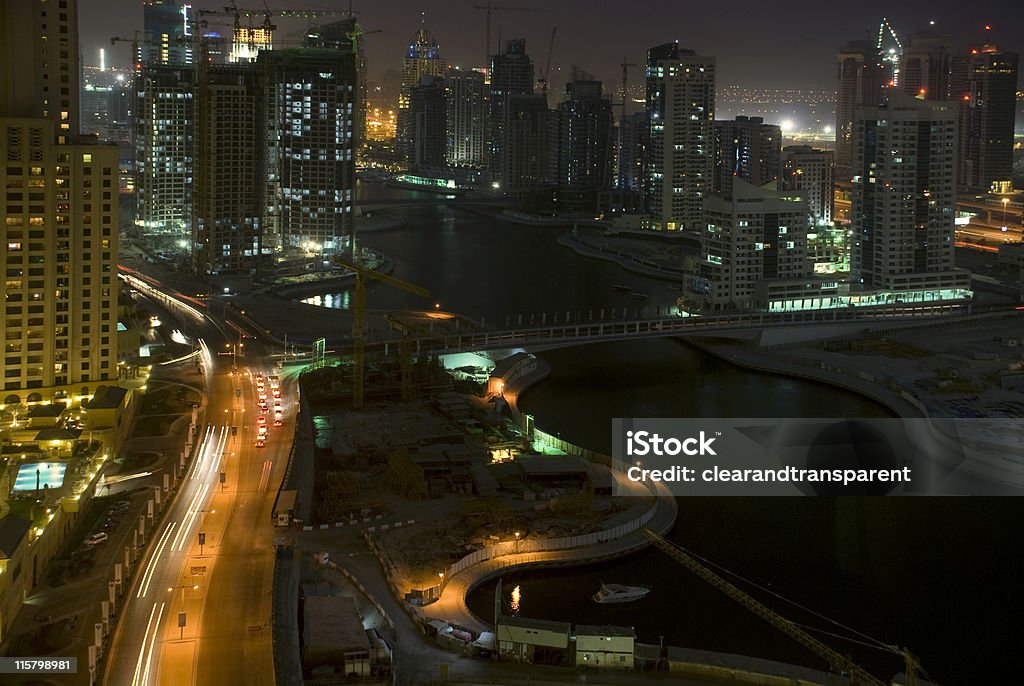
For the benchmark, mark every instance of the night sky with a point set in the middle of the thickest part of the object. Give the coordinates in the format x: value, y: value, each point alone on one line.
x: 788, y: 44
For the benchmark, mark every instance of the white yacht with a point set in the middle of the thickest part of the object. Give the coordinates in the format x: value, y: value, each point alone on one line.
x: 618, y: 593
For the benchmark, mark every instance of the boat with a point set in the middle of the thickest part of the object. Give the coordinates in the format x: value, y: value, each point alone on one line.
x: 621, y: 287
x: 618, y: 593
x: 639, y: 295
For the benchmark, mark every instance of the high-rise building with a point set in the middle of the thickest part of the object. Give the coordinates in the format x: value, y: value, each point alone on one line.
x: 422, y: 58
x: 810, y: 171
x: 984, y: 83
x: 59, y: 223
x: 311, y: 102
x: 752, y: 236
x: 166, y: 33
x: 526, y: 145
x: 467, y: 118
x: 40, y: 55
x: 428, y: 119
x: 511, y: 74
x: 581, y: 159
x: 228, y: 187
x: 746, y: 148
x: 344, y: 35
x: 925, y: 66
x: 680, y: 150
x: 861, y: 78
x: 904, y: 197
x: 632, y: 144
x: 163, y: 136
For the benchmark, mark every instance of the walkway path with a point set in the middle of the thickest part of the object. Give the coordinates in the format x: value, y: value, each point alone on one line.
x: 451, y: 606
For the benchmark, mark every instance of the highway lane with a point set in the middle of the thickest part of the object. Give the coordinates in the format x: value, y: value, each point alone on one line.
x: 223, y: 586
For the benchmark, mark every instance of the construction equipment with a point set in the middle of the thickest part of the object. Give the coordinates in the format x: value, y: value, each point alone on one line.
x: 858, y: 675
x: 359, y: 327
x: 136, y: 55
x: 487, y: 32
x: 543, y: 80
x: 625, y: 79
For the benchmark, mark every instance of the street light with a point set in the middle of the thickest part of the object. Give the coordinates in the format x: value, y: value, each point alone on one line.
x: 171, y: 589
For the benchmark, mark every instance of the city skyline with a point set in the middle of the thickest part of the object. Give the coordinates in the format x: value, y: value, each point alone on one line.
x: 770, y: 49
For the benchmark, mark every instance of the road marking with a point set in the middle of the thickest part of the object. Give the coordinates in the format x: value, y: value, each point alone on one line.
x: 151, y: 567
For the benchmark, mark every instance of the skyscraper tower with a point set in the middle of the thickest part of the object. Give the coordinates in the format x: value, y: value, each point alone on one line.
x: 680, y: 152
x: 466, y: 119
x: 422, y: 58
x: 582, y: 130
x: 925, y: 65
x: 167, y: 33
x: 59, y: 224
x: 860, y: 80
x: 428, y: 112
x: 746, y: 148
x: 984, y: 83
x: 311, y: 101
x: 39, y: 54
x: 511, y: 74
x: 904, y: 197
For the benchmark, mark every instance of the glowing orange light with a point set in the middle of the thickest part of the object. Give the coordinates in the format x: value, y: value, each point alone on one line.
x: 922, y: 91
x: 967, y: 97
x: 974, y: 51
x: 892, y: 83
x: 988, y: 27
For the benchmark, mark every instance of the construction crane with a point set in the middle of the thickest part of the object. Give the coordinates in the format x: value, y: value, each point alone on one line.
x: 625, y: 82
x: 487, y: 32
x: 359, y: 328
x: 136, y: 55
x: 858, y: 675
x: 543, y: 80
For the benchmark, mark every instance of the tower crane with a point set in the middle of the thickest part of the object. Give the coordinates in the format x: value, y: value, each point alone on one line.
x: 487, y: 32
x: 359, y: 327
x: 136, y: 55
x: 858, y: 675
x: 625, y: 81
x: 543, y: 80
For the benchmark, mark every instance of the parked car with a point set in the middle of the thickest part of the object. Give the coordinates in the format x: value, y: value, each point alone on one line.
x: 97, y: 539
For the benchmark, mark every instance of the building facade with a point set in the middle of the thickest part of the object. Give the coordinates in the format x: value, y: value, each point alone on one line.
x: 428, y: 116
x: 904, y: 197
x: 925, y: 66
x: 810, y: 171
x: 581, y: 163
x: 164, y: 114
x: 754, y: 235
x: 680, y: 150
x: 166, y: 33
x: 860, y: 80
x: 511, y: 75
x: 746, y: 148
x: 466, y: 100
x: 422, y: 58
x: 311, y: 98
x: 984, y: 84
x: 228, y: 200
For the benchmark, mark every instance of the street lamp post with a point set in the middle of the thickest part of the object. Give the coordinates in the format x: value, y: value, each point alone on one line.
x: 171, y: 589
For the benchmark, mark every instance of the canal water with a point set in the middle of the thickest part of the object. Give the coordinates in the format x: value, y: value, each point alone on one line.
x: 938, y: 575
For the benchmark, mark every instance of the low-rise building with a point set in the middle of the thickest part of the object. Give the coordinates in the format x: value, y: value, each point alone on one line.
x: 605, y: 647
x: 540, y: 641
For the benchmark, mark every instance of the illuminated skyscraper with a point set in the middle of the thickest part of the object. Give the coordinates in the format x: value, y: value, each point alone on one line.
x: 680, y: 150
x: 810, y: 171
x: 166, y: 32
x: 904, y: 196
x: 582, y: 129
x: 925, y: 66
x: 466, y: 119
x: 427, y: 115
x: 311, y: 101
x: 422, y: 58
x: 59, y: 224
x: 984, y: 83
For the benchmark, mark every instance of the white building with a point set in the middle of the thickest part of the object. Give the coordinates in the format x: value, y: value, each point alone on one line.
x: 466, y: 118
x: 904, y: 197
x: 756, y: 235
x: 605, y: 647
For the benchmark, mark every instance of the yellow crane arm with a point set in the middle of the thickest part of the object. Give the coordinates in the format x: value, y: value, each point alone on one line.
x: 384, y: 278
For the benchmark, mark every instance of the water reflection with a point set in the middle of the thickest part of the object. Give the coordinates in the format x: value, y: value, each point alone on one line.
x: 516, y: 596
x: 337, y: 301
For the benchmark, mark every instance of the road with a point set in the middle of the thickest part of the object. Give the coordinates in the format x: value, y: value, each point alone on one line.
x: 199, y: 613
